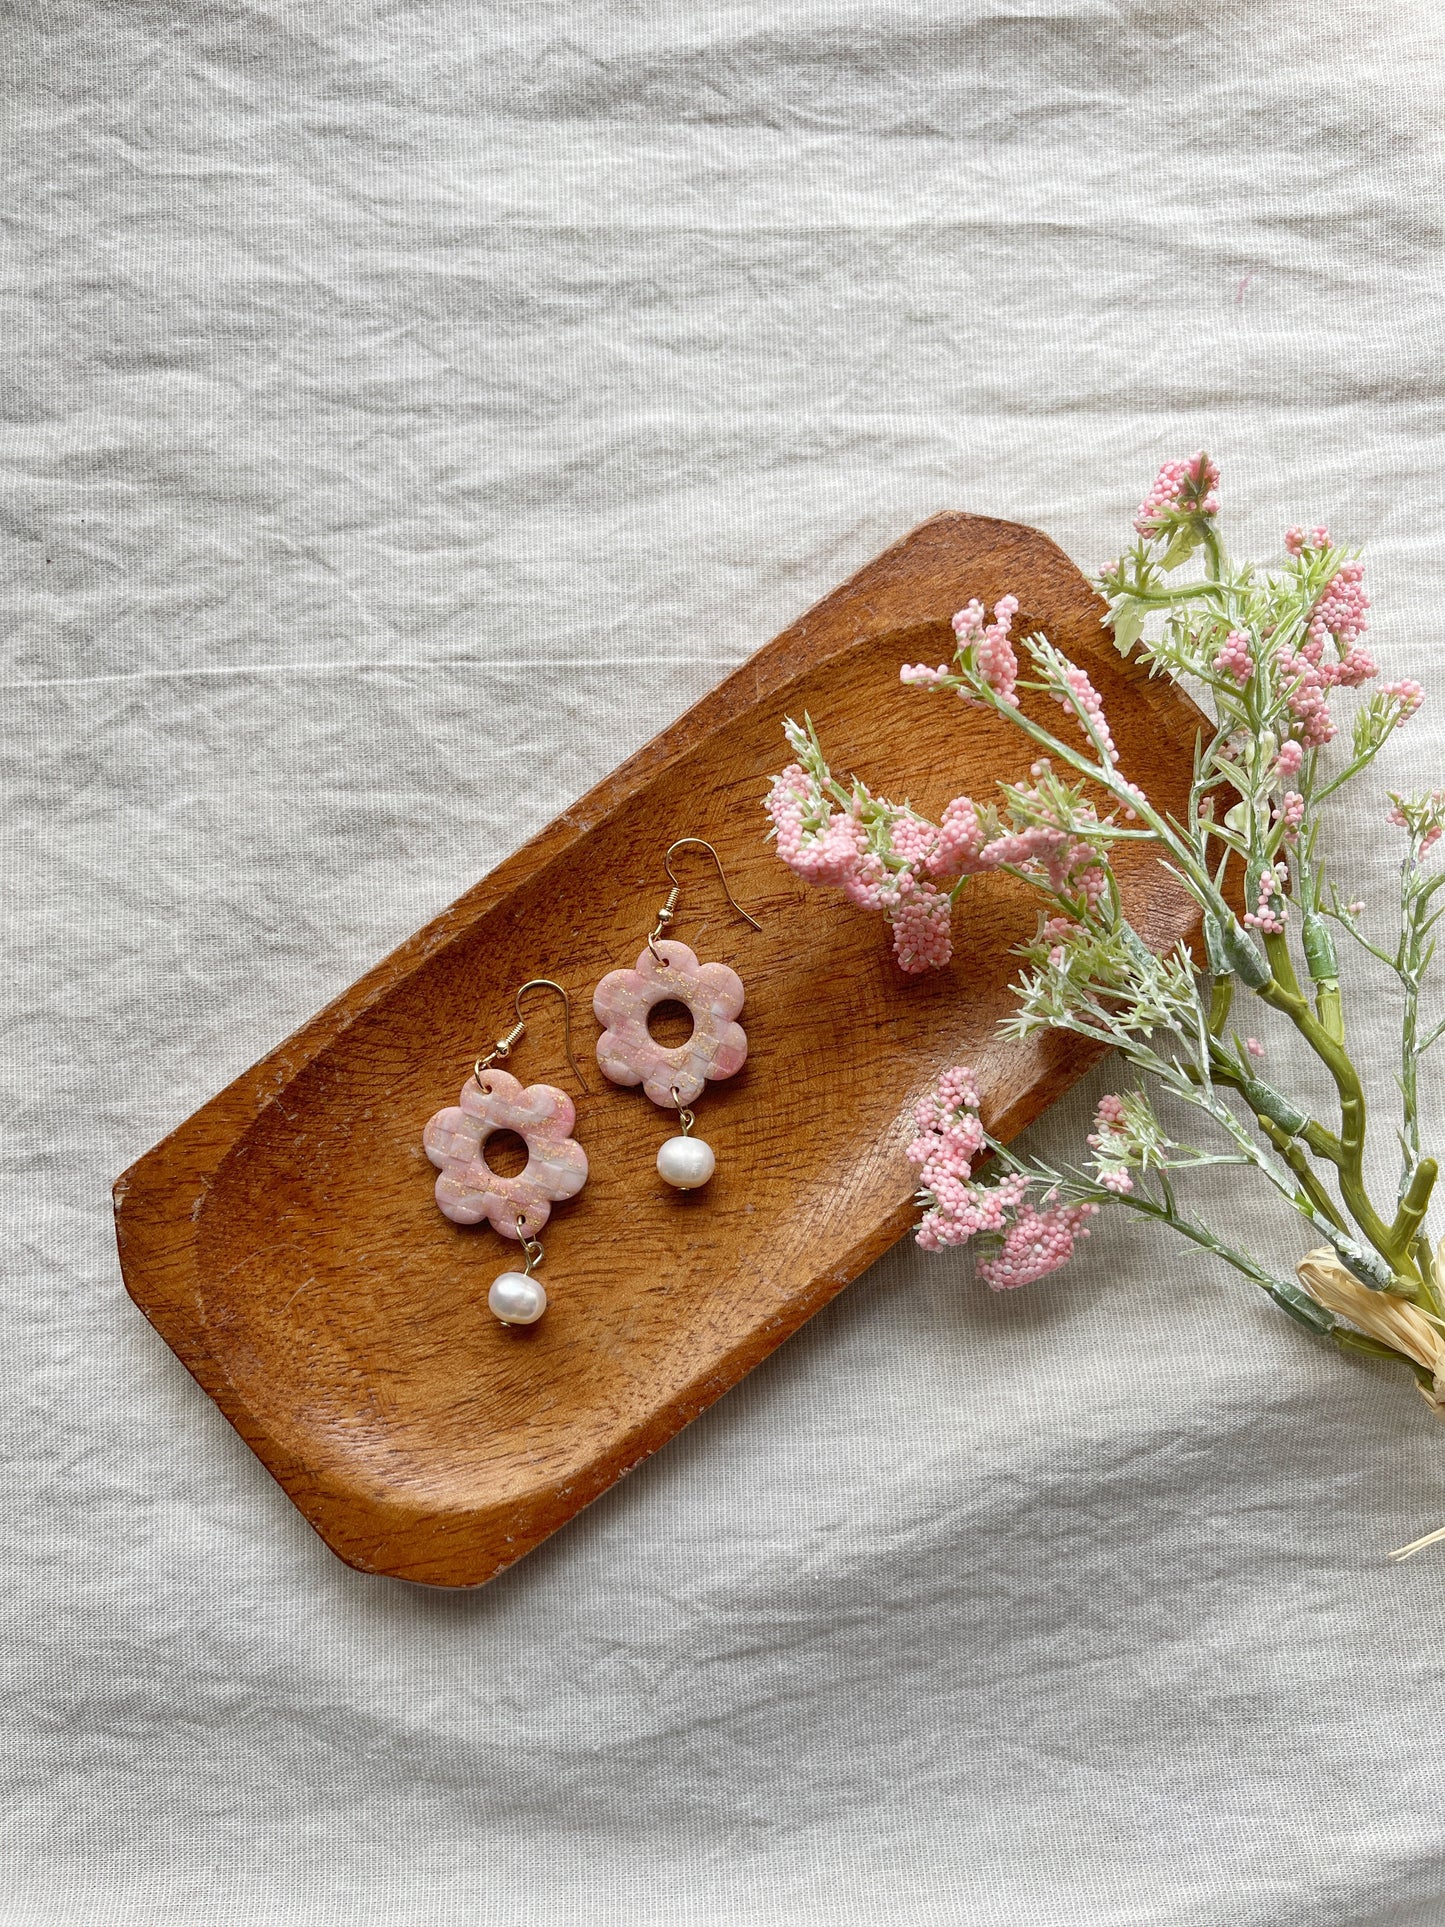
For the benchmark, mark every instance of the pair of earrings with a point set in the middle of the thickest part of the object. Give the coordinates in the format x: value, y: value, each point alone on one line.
x: 468, y: 1189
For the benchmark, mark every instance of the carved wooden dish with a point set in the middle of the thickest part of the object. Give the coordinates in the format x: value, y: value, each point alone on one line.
x: 285, y: 1241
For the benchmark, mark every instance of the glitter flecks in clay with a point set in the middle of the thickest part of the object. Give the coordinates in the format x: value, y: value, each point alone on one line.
x: 628, y: 1053
x: 468, y: 1190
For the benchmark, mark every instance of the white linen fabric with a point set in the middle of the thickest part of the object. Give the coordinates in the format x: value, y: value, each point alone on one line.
x: 408, y: 410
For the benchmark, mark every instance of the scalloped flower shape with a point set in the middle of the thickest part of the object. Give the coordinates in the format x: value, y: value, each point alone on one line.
x: 468, y: 1189
x: 628, y: 1053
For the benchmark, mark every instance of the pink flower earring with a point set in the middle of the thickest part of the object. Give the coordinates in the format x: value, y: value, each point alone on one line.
x: 468, y: 1189
x: 673, y: 1078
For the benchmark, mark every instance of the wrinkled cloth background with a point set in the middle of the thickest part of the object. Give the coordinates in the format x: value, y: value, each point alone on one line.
x: 407, y: 411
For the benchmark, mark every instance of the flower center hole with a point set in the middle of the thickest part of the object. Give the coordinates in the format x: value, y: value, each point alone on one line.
x: 669, y: 1023
x: 506, y: 1154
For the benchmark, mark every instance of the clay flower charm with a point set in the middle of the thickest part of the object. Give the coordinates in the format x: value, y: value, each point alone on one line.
x: 628, y: 1052
x: 468, y: 1189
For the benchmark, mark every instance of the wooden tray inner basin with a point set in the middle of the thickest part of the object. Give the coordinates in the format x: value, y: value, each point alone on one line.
x: 285, y: 1240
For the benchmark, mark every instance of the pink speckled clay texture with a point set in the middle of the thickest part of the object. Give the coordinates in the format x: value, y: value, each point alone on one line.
x: 467, y: 1188
x: 629, y: 1054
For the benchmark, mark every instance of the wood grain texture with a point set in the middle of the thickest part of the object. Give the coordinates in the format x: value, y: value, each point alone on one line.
x: 285, y: 1241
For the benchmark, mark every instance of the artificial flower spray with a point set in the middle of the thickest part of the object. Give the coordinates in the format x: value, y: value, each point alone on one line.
x: 1275, y: 653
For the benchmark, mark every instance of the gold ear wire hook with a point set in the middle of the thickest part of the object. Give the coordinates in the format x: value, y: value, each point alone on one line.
x: 701, y: 842
x: 503, y: 1045
x: 669, y: 909
x: 546, y: 983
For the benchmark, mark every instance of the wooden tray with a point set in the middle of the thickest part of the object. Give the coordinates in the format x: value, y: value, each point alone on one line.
x: 284, y: 1240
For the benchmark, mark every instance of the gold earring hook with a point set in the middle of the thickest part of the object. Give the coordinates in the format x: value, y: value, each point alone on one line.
x: 669, y: 909
x: 503, y: 1045
x: 703, y: 844
x: 546, y: 983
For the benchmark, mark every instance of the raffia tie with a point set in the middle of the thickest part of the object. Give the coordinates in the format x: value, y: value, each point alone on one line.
x: 1395, y: 1322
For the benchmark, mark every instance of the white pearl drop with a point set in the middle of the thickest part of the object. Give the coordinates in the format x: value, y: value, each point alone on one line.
x: 686, y: 1162
x: 517, y: 1299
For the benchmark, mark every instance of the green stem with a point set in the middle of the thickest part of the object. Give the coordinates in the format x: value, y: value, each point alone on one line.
x: 1290, y: 1297
x: 1352, y: 1341
x: 1410, y: 1071
x: 1198, y: 1234
x: 1166, y: 598
x: 1283, y: 993
x: 1415, y: 1203
x: 1293, y: 1154
x: 1322, y: 1142
x: 1425, y: 1259
x: 1329, y: 1009
x: 1220, y: 998
x: 1281, y: 963
x: 1288, y: 1146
